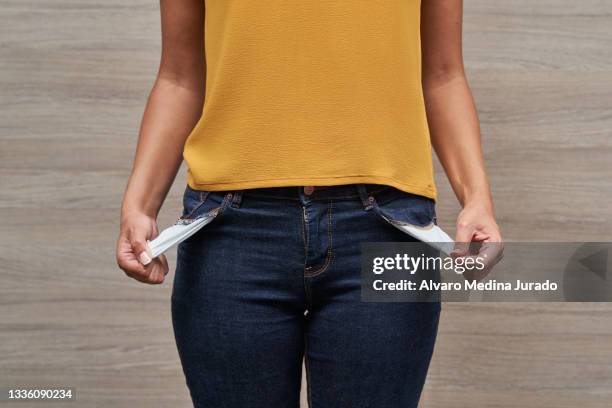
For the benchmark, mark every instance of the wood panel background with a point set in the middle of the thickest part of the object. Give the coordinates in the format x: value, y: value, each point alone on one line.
x: 74, y: 76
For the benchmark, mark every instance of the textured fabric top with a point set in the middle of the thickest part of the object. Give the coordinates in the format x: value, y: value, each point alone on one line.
x: 312, y: 93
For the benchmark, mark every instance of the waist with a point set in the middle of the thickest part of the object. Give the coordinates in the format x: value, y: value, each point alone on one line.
x: 322, y: 193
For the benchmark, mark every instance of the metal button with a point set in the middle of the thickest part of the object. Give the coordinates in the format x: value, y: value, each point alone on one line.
x: 308, y: 190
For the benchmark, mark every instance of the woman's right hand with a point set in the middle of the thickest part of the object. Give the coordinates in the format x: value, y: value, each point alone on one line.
x: 132, y: 252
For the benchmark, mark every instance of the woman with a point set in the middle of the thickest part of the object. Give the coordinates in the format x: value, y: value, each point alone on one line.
x: 305, y: 126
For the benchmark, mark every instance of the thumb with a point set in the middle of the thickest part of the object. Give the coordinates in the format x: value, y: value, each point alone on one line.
x: 141, y: 248
x: 462, y: 240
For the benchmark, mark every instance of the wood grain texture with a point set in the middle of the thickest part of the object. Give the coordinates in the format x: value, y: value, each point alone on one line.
x: 74, y: 76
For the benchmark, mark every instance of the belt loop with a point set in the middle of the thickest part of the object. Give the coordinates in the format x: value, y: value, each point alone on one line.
x: 367, y: 200
x: 204, y: 195
x: 237, y: 199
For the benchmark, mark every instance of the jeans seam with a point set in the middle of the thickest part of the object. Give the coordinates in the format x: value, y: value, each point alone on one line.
x: 395, y: 222
x: 307, y: 366
x: 203, y: 198
x: 307, y: 294
x: 325, y: 266
x: 305, y: 234
x: 225, y: 203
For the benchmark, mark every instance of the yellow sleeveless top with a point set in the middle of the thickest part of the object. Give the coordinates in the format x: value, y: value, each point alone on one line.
x: 317, y: 93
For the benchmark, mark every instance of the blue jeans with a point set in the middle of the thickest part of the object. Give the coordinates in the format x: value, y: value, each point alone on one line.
x: 275, y: 278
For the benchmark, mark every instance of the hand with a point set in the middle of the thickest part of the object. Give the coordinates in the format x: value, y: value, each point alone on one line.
x: 478, y: 235
x: 133, y: 254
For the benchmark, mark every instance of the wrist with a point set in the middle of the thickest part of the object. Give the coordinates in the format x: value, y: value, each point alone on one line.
x: 480, y: 199
x: 140, y: 201
x: 128, y: 211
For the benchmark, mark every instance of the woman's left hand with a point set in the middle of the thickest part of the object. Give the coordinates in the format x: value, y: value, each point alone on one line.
x: 478, y: 235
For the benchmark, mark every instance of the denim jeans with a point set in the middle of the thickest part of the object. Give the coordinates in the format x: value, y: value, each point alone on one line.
x: 275, y: 279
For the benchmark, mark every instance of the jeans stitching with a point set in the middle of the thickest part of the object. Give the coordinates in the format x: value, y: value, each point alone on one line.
x: 203, y: 198
x: 237, y: 200
x: 305, y: 234
x: 395, y: 222
x: 226, y: 200
x: 328, y: 258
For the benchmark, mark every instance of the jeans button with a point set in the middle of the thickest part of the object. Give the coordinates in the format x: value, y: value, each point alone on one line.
x: 308, y: 190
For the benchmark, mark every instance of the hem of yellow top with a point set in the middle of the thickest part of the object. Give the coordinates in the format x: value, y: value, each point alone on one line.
x: 427, y: 190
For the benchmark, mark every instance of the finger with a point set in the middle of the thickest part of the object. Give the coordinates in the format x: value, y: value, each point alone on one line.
x: 144, y: 278
x: 481, y: 236
x: 140, y: 248
x: 490, y: 254
x: 133, y: 268
x: 126, y: 260
x: 164, y: 264
x: 148, y: 274
x: 157, y: 273
x: 463, y: 238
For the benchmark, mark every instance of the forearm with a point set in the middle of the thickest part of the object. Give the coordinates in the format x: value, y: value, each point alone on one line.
x: 453, y: 124
x: 171, y: 113
x: 455, y: 134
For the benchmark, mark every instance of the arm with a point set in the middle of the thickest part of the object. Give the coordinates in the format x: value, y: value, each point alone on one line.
x: 173, y: 108
x: 453, y: 121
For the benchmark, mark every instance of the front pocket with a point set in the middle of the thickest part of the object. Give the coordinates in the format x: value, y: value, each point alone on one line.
x: 407, y: 209
x: 198, y: 203
x: 415, y: 215
x: 200, y: 208
x: 179, y: 232
x: 193, y: 200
